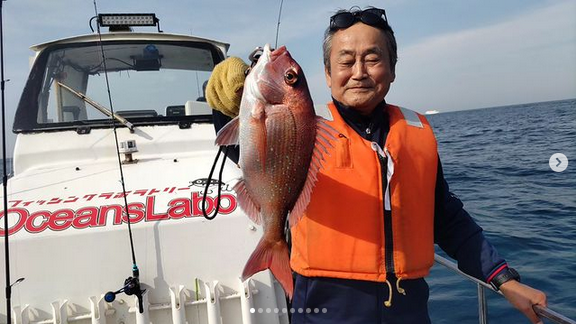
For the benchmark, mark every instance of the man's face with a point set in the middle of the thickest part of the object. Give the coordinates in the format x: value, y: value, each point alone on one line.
x: 360, y: 73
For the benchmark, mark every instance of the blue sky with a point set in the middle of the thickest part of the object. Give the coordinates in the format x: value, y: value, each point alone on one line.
x: 453, y: 54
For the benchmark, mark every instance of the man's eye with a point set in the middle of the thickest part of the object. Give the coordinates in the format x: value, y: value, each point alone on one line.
x: 372, y: 59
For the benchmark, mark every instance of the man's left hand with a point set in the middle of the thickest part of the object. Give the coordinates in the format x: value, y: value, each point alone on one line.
x: 523, y: 297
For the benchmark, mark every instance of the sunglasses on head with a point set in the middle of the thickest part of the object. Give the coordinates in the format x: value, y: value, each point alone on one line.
x: 373, y: 16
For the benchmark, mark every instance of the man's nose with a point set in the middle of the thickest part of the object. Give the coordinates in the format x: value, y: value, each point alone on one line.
x: 359, y: 70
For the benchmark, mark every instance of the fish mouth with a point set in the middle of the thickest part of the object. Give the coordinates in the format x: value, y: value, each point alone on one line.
x: 277, y: 52
x: 261, y: 86
x: 255, y: 75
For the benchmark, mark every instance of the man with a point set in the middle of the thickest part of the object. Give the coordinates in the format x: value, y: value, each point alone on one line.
x: 381, y: 202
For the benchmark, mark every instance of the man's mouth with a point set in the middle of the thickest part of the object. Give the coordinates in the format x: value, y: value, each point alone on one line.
x: 360, y: 88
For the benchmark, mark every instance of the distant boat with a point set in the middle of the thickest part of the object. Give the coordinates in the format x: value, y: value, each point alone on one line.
x: 431, y: 112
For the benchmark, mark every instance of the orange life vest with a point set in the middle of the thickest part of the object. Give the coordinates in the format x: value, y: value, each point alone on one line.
x: 345, y: 232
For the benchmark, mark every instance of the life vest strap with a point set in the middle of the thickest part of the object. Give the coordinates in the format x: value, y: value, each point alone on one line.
x: 411, y: 117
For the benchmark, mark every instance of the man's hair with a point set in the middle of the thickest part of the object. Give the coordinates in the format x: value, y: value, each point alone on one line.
x: 388, y: 34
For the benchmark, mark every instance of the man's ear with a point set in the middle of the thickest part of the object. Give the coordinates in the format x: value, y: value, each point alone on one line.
x: 328, y: 77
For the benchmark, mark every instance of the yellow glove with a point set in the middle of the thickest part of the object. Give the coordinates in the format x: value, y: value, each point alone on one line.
x: 224, y: 89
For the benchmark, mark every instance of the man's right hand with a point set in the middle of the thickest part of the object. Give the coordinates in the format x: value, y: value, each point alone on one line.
x: 225, y: 86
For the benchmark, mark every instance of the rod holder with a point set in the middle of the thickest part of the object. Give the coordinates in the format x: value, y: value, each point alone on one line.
x: 246, y: 300
x: 98, y: 310
x: 213, y: 302
x: 60, y: 312
x: 178, y: 303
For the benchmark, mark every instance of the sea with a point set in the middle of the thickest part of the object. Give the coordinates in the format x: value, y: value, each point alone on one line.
x: 496, y: 160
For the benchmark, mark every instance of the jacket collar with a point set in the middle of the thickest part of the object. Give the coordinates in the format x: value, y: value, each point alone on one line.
x: 373, y: 127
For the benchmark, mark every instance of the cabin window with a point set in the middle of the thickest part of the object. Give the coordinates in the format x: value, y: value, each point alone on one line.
x: 149, y: 82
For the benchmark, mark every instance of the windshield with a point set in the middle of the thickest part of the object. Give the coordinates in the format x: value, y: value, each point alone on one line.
x: 150, y: 83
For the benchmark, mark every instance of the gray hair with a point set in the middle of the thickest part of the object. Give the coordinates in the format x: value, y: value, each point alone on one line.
x: 388, y: 34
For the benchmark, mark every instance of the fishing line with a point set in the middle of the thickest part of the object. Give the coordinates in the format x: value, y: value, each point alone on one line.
x: 209, y: 180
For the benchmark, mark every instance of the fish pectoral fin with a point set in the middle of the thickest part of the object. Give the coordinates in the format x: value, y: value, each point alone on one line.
x: 228, y: 135
x: 274, y: 256
x: 325, y: 134
x: 248, y: 205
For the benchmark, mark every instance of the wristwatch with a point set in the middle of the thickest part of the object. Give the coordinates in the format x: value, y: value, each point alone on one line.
x: 504, y: 276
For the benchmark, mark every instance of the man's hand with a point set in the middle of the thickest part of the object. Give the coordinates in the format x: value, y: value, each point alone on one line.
x: 224, y: 88
x: 523, y: 298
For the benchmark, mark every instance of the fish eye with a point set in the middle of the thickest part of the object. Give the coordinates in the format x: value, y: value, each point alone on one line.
x: 290, y: 77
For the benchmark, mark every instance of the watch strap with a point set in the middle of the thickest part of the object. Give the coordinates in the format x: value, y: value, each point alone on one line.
x: 504, y: 276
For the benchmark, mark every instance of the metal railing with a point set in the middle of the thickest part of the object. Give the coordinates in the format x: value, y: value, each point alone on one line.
x: 543, y: 312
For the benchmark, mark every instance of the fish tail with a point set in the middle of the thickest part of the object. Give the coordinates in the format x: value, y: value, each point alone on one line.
x: 274, y: 256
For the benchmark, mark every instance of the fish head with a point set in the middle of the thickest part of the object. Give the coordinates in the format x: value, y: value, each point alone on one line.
x: 277, y: 79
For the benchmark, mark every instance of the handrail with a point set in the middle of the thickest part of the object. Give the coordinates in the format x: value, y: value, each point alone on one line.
x: 552, y: 315
x: 544, y: 312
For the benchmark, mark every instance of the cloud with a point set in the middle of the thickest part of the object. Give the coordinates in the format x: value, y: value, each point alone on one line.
x: 527, y: 58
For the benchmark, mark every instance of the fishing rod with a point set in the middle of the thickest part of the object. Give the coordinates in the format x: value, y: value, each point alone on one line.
x: 9, y: 284
x: 131, y: 284
x: 278, y: 24
x: 5, y: 175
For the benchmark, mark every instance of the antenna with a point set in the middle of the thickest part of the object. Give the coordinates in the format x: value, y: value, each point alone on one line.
x: 198, y: 85
x: 278, y: 25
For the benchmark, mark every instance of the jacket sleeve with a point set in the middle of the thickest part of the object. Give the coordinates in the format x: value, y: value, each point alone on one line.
x: 460, y: 237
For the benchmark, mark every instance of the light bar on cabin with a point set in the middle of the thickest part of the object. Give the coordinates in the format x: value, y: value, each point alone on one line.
x: 114, y: 20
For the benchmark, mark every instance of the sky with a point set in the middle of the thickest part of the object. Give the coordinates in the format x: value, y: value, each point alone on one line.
x: 452, y: 54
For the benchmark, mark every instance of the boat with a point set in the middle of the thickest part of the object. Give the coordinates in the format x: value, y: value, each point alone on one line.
x: 69, y: 233
x: 431, y: 112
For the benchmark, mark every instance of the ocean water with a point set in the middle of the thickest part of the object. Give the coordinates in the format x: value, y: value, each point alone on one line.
x: 496, y: 161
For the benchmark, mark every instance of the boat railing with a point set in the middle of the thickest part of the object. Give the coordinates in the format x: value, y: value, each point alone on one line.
x: 543, y: 312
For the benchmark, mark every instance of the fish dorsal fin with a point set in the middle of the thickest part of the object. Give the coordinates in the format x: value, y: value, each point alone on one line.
x: 246, y: 202
x: 325, y: 134
x: 228, y: 135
